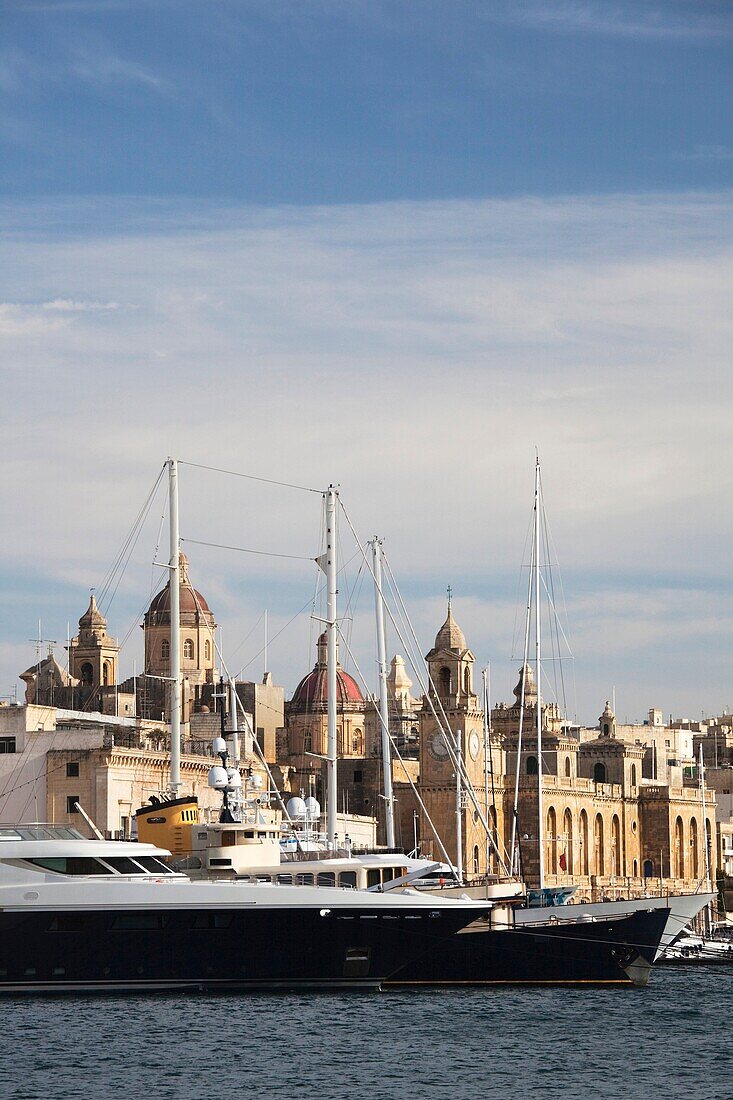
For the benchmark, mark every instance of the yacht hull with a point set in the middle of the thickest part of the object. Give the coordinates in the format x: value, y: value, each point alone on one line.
x: 618, y: 951
x: 104, y: 950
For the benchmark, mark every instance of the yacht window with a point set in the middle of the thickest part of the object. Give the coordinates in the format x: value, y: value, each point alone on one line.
x: 326, y: 878
x: 70, y: 865
x: 389, y: 873
x: 205, y: 921
x: 263, y: 878
x: 124, y: 866
x: 304, y: 880
x: 67, y: 922
x: 138, y: 922
x: 156, y: 866
x: 348, y: 878
x: 373, y: 877
x: 285, y: 880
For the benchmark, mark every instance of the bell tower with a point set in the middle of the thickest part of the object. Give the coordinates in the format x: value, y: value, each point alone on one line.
x: 92, y: 653
x: 454, y: 701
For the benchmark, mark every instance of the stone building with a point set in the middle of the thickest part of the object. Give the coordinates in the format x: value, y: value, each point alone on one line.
x: 617, y: 817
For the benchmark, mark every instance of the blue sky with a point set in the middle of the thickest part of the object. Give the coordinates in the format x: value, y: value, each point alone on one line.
x: 395, y: 245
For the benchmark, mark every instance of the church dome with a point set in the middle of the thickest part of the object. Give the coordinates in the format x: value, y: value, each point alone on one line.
x: 191, y: 600
x: 92, y: 619
x: 450, y: 635
x: 312, y: 691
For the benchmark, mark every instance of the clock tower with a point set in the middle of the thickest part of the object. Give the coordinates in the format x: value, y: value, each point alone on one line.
x: 453, y: 699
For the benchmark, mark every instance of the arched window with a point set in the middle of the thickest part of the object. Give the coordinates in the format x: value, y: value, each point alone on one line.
x: 531, y: 765
x: 633, y: 775
x: 600, y: 855
x: 552, y: 841
x: 106, y: 677
x: 606, y: 729
x: 636, y: 868
x: 599, y: 773
x: 567, y: 828
x: 87, y: 673
x: 307, y: 740
x: 616, y: 868
x: 467, y: 680
x: 357, y: 743
x: 475, y: 859
x: 583, y: 839
x: 679, y: 848
x: 207, y: 650
x: 444, y: 681
x: 165, y: 650
x: 567, y: 766
x: 694, y: 842
x: 648, y: 868
x: 188, y: 649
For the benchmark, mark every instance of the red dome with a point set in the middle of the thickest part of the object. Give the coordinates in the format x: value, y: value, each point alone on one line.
x: 312, y: 691
x: 190, y: 600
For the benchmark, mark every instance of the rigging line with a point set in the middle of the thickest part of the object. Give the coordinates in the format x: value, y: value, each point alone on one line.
x: 384, y: 726
x: 285, y: 627
x: 247, y: 636
x: 250, y: 477
x: 244, y: 550
x: 451, y: 743
x: 512, y: 655
x: 552, y: 612
x: 127, y: 560
x: 550, y: 551
x: 107, y: 579
x: 456, y: 757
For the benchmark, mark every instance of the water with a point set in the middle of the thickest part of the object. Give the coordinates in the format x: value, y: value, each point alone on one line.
x: 669, y: 1041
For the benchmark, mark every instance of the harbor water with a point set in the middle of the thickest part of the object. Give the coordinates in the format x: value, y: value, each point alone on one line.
x: 669, y: 1040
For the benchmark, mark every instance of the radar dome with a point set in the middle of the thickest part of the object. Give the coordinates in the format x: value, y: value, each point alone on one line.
x: 235, y: 779
x: 219, y: 745
x: 313, y: 807
x: 296, y: 808
x: 218, y: 778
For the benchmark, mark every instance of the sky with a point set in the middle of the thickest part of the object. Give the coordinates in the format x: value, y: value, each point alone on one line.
x: 401, y: 247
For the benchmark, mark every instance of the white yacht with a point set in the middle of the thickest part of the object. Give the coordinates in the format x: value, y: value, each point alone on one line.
x: 89, y: 915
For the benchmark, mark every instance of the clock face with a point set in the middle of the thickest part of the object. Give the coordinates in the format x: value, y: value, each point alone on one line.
x: 474, y: 744
x: 438, y: 747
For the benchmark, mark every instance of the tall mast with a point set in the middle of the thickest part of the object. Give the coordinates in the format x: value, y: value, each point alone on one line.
x: 459, y: 806
x: 174, y: 566
x: 331, y: 742
x: 538, y: 659
x: 383, y: 701
x: 704, y: 823
x: 487, y: 704
x: 233, y: 721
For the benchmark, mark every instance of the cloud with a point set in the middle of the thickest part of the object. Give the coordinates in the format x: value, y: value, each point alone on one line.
x: 416, y: 353
x: 637, y: 20
x: 67, y: 305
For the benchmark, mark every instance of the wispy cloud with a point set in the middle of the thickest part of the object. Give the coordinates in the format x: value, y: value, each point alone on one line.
x: 98, y: 64
x: 708, y: 152
x: 417, y: 353
x: 630, y: 20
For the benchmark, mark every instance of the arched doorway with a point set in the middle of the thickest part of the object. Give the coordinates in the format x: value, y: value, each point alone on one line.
x: 567, y: 828
x: 475, y: 859
x: 551, y: 841
x: 531, y: 765
x: 648, y: 868
x: 679, y: 848
x: 444, y: 681
x: 599, y: 773
x: 583, y: 831
x: 600, y: 859
x: 694, y: 850
x: 616, y: 867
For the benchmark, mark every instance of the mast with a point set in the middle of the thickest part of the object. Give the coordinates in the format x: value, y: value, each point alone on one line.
x: 704, y: 823
x: 233, y: 721
x: 383, y: 701
x: 538, y: 659
x: 331, y: 591
x: 487, y: 749
x: 174, y: 566
x: 459, y: 807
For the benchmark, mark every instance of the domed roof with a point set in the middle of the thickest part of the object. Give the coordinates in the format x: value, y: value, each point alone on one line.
x: 526, y: 676
x: 450, y: 635
x: 312, y: 691
x: 92, y: 619
x: 191, y: 601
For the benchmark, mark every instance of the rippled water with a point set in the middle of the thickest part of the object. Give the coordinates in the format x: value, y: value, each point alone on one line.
x: 669, y: 1040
